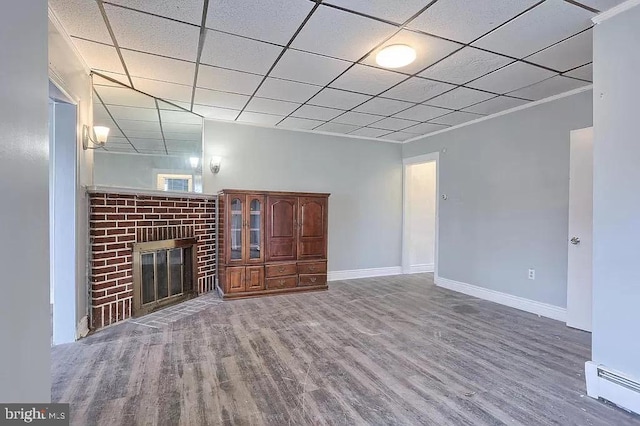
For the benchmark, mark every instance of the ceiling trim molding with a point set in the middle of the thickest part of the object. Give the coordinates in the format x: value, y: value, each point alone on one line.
x: 65, y: 36
x: 616, y: 10
x: 507, y: 111
x: 316, y: 132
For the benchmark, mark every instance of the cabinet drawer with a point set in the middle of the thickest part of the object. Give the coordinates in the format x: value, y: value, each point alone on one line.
x: 312, y: 268
x: 281, y: 270
x: 316, y: 279
x: 282, y: 282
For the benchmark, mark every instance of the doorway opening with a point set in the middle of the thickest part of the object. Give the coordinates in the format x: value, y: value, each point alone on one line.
x: 420, y: 214
x: 62, y: 215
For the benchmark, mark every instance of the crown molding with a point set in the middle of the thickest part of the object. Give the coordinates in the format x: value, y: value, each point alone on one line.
x: 616, y: 10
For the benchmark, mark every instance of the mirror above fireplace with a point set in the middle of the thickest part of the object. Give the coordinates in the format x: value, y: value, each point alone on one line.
x: 153, y: 144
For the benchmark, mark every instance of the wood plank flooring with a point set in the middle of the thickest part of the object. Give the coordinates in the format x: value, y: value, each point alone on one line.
x: 377, y: 351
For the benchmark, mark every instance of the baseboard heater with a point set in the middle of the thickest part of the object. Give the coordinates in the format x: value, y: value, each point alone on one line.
x: 612, y: 386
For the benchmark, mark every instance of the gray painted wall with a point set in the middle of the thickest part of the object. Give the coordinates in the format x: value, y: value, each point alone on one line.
x: 364, y: 178
x: 25, y: 361
x: 507, y: 181
x: 136, y: 171
x: 616, y: 197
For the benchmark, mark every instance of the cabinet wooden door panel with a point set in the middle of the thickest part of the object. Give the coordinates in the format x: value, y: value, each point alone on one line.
x: 235, y: 279
x: 281, y: 228
x: 255, y: 278
x: 312, y: 224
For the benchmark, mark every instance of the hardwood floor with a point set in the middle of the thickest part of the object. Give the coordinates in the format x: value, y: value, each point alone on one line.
x: 383, y: 351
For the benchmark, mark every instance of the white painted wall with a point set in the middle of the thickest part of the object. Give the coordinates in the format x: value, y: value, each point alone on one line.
x: 616, y: 195
x: 25, y: 363
x: 69, y: 73
x: 364, y: 178
x: 422, y: 214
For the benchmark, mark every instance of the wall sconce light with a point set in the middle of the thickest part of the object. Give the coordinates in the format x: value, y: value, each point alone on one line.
x: 215, y: 164
x: 194, y: 161
x: 100, y: 133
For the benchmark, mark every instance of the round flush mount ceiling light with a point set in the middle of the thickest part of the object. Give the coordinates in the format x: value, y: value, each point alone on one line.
x: 396, y: 56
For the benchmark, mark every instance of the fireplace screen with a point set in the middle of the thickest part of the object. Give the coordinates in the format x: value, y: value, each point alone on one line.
x: 163, y: 273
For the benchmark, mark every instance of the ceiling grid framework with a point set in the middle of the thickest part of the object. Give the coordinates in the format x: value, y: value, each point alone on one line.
x: 309, y: 65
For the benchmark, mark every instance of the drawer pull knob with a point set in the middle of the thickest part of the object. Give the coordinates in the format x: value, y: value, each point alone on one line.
x: 281, y: 283
x: 281, y: 269
x: 313, y: 279
x: 312, y: 268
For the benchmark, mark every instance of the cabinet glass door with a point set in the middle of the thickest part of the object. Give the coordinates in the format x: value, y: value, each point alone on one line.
x: 256, y: 221
x: 237, y: 225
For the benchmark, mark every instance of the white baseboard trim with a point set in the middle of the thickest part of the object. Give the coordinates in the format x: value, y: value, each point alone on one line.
x: 363, y: 273
x: 601, y: 387
x: 538, y: 308
x: 419, y: 269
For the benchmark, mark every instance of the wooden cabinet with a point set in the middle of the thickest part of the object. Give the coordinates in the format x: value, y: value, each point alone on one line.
x: 271, y: 242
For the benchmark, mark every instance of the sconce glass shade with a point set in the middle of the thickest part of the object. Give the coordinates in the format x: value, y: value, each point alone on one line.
x: 194, y: 161
x: 215, y: 164
x: 102, y: 133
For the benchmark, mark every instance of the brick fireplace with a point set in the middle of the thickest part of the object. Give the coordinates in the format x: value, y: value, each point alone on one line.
x: 120, y: 219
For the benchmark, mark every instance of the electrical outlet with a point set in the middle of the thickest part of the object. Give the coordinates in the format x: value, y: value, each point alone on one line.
x: 532, y: 274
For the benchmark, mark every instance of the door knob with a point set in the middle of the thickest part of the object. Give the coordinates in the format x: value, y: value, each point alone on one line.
x: 575, y: 241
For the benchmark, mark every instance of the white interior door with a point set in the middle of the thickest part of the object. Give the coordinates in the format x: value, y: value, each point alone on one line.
x: 580, y: 242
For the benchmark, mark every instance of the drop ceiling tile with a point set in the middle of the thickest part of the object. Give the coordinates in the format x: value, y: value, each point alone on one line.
x: 146, y: 144
x: 357, y: 118
x: 270, y: 106
x: 152, y: 34
x: 465, y: 65
x: 422, y: 113
x: 195, y: 137
x: 220, y: 99
x: 381, y: 106
x: 544, y: 25
x: 397, y: 12
x: 399, y: 136
x: 337, y: 128
x: 602, y: 5
x: 120, y: 77
x: 133, y: 113
x: 424, y: 128
x: 428, y: 50
x: 180, y: 117
x: 369, y: 132
x: 181, y: 128
x: 460, y: 98
x: 584, y: 72
x: 258, y: 118
x: 300, y: 123
x: 393, y: 123
x: 158, y: 68
x: 81, y: 18
x: 286, y: 90
x: 138, y: 125
x: 571, y: 53
x: 308, y: 68
x: 317, y: 113
x: 550, y: 87
x: 464, y: 20
x: 173, y: 106
x: 511, y: 77
x: 99, y: 56
x: 340, y: 99
x: 238, y: 53
x: 272, y: 21
x: 456, y: 118
x: 111, y: 95
x: 163, y: 90
x: 369, y: 80
x: 341, y: 35
x: 134, y: 134
x: 216, y: 112
x: 417, y: 89
x: 227, y: 80
x: 183, y: 10
x: 495, y: 105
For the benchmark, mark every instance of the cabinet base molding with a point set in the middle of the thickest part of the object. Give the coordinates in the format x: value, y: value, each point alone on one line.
x: 248, y: 294
x: 364, y: 273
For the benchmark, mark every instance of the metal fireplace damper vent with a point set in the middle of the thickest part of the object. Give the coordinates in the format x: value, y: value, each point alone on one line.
x: 163, y: 273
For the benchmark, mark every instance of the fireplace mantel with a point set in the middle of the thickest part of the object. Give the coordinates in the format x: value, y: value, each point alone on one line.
x: 145, y: 192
